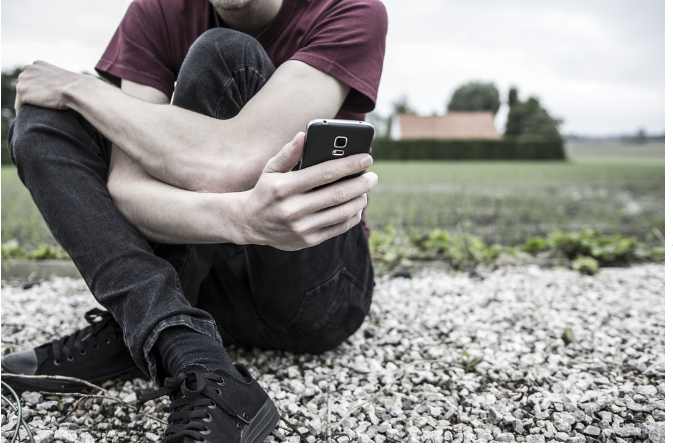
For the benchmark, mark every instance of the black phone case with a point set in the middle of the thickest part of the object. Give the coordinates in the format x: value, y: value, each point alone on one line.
x: 322, y: 144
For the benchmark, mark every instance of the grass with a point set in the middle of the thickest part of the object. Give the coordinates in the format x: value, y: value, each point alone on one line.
x: 500, y: 202
x: 508, y: 202
x: 21, y: 220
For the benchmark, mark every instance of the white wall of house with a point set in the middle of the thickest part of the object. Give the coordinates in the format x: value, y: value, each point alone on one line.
x: 395, y: 128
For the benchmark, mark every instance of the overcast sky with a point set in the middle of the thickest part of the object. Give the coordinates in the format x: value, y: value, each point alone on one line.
x: 596, y: 64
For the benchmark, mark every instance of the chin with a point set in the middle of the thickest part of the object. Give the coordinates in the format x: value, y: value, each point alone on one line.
x: 231, y: 5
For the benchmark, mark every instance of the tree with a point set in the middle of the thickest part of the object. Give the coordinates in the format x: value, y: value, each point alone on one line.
x: 8, y: 82
x: 530, y: 118
x: 401, y: 106
x: 475, y: 96
x: 513, y: 96
x: 381, y: 124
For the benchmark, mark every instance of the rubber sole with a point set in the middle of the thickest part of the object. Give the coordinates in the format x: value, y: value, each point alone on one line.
x: 21, y: 385
x: 261, y: 424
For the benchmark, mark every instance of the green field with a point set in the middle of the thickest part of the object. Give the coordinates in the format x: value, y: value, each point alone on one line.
x: 611, y: 187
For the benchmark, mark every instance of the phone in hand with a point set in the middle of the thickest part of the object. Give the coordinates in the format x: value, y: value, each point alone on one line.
x: 330, y: 139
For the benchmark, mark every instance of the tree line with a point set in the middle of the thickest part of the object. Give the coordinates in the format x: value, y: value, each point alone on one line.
x: 524, y: 118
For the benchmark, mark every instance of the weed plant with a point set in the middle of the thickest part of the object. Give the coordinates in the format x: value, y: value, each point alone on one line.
x: 584, y: 251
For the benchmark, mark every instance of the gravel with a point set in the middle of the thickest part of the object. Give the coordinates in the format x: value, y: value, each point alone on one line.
x: 606, y: 385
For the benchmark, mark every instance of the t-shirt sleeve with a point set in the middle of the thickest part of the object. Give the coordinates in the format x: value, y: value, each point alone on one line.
x: 139, y: 50
x: 348, y: 42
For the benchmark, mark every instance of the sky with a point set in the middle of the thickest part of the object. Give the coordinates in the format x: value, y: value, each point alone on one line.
x: 596, y: 64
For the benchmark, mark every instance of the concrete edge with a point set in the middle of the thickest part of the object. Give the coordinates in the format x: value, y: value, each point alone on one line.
x: 39, y: 269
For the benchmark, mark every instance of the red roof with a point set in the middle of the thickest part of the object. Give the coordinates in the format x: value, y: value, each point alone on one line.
x: 458, y: 125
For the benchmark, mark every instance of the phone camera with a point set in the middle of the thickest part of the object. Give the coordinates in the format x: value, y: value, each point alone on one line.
x: 340, y: 142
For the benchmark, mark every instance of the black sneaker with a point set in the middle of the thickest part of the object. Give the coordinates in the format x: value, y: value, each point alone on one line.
x: 96, y: 353
x: 216, y: 407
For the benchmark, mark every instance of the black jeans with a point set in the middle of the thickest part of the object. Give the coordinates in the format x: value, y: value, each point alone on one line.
x: 306, y: 301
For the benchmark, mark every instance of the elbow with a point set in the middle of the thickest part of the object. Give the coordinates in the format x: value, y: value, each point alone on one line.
x: 114, y: 183
x: 229, y: 177
x: 118, y: 189
x: 120, y: 184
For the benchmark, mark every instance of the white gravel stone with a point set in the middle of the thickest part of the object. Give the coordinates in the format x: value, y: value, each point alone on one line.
x: 151, y: 436
x: 505, y: 437
x: 364, y: 438
x: 66, y: 435
x: 656, y: 433
x: 592, y: 431
x: 131, y: 398
x: 32, y: 398
x: 494, y: 416
x: 43, y: 436
x: 530, y: 385
x: 535, y: 438
x: 627, y: 431
x: 315, y: 426
x: 85, y: 437
x: 46, y: 405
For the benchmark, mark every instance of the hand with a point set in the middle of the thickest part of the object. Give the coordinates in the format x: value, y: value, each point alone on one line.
x: 282, y: 210
x: 44, y: 85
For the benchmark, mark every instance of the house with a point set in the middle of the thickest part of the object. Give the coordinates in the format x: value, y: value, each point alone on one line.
x: 452, y: 125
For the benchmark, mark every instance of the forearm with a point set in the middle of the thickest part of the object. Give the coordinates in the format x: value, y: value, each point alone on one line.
x: 167, y: 214
x: 174, y: 145
x: 283, y: 210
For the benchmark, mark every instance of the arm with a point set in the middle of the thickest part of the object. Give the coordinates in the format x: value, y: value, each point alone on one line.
x: 144, y: 200
x: 280, y: 211
x: 183, y: 148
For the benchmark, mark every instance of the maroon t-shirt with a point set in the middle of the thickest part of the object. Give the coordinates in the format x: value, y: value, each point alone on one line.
x: 344, y: 38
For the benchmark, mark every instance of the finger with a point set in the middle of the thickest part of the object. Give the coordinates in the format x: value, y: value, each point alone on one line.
x: 337, y: 229
x: 330, y: 171
x: 335, y: 215
x: 338, y: 193
x: 288, y: 157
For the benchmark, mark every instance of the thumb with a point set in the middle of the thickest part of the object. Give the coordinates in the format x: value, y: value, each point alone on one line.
x: 288, y: 157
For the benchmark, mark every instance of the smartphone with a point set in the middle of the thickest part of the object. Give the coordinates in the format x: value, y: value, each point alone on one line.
x: 335, y: 139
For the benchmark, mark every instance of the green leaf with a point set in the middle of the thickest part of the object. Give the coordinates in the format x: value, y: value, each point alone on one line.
x: 473, y: 362
x: 585, y: 265
x: 568, y: 335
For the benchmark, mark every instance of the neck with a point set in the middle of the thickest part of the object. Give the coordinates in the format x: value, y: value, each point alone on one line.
x: 253, y: 18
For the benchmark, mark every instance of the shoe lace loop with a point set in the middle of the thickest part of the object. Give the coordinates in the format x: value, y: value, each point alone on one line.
x: 100, y: 322
x: 191, y: 396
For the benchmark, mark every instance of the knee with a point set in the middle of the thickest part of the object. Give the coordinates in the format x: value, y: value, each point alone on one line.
x: 220, y: 52
x: 216, y: 58
x: 224, y: 43
x: 30, y: 130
